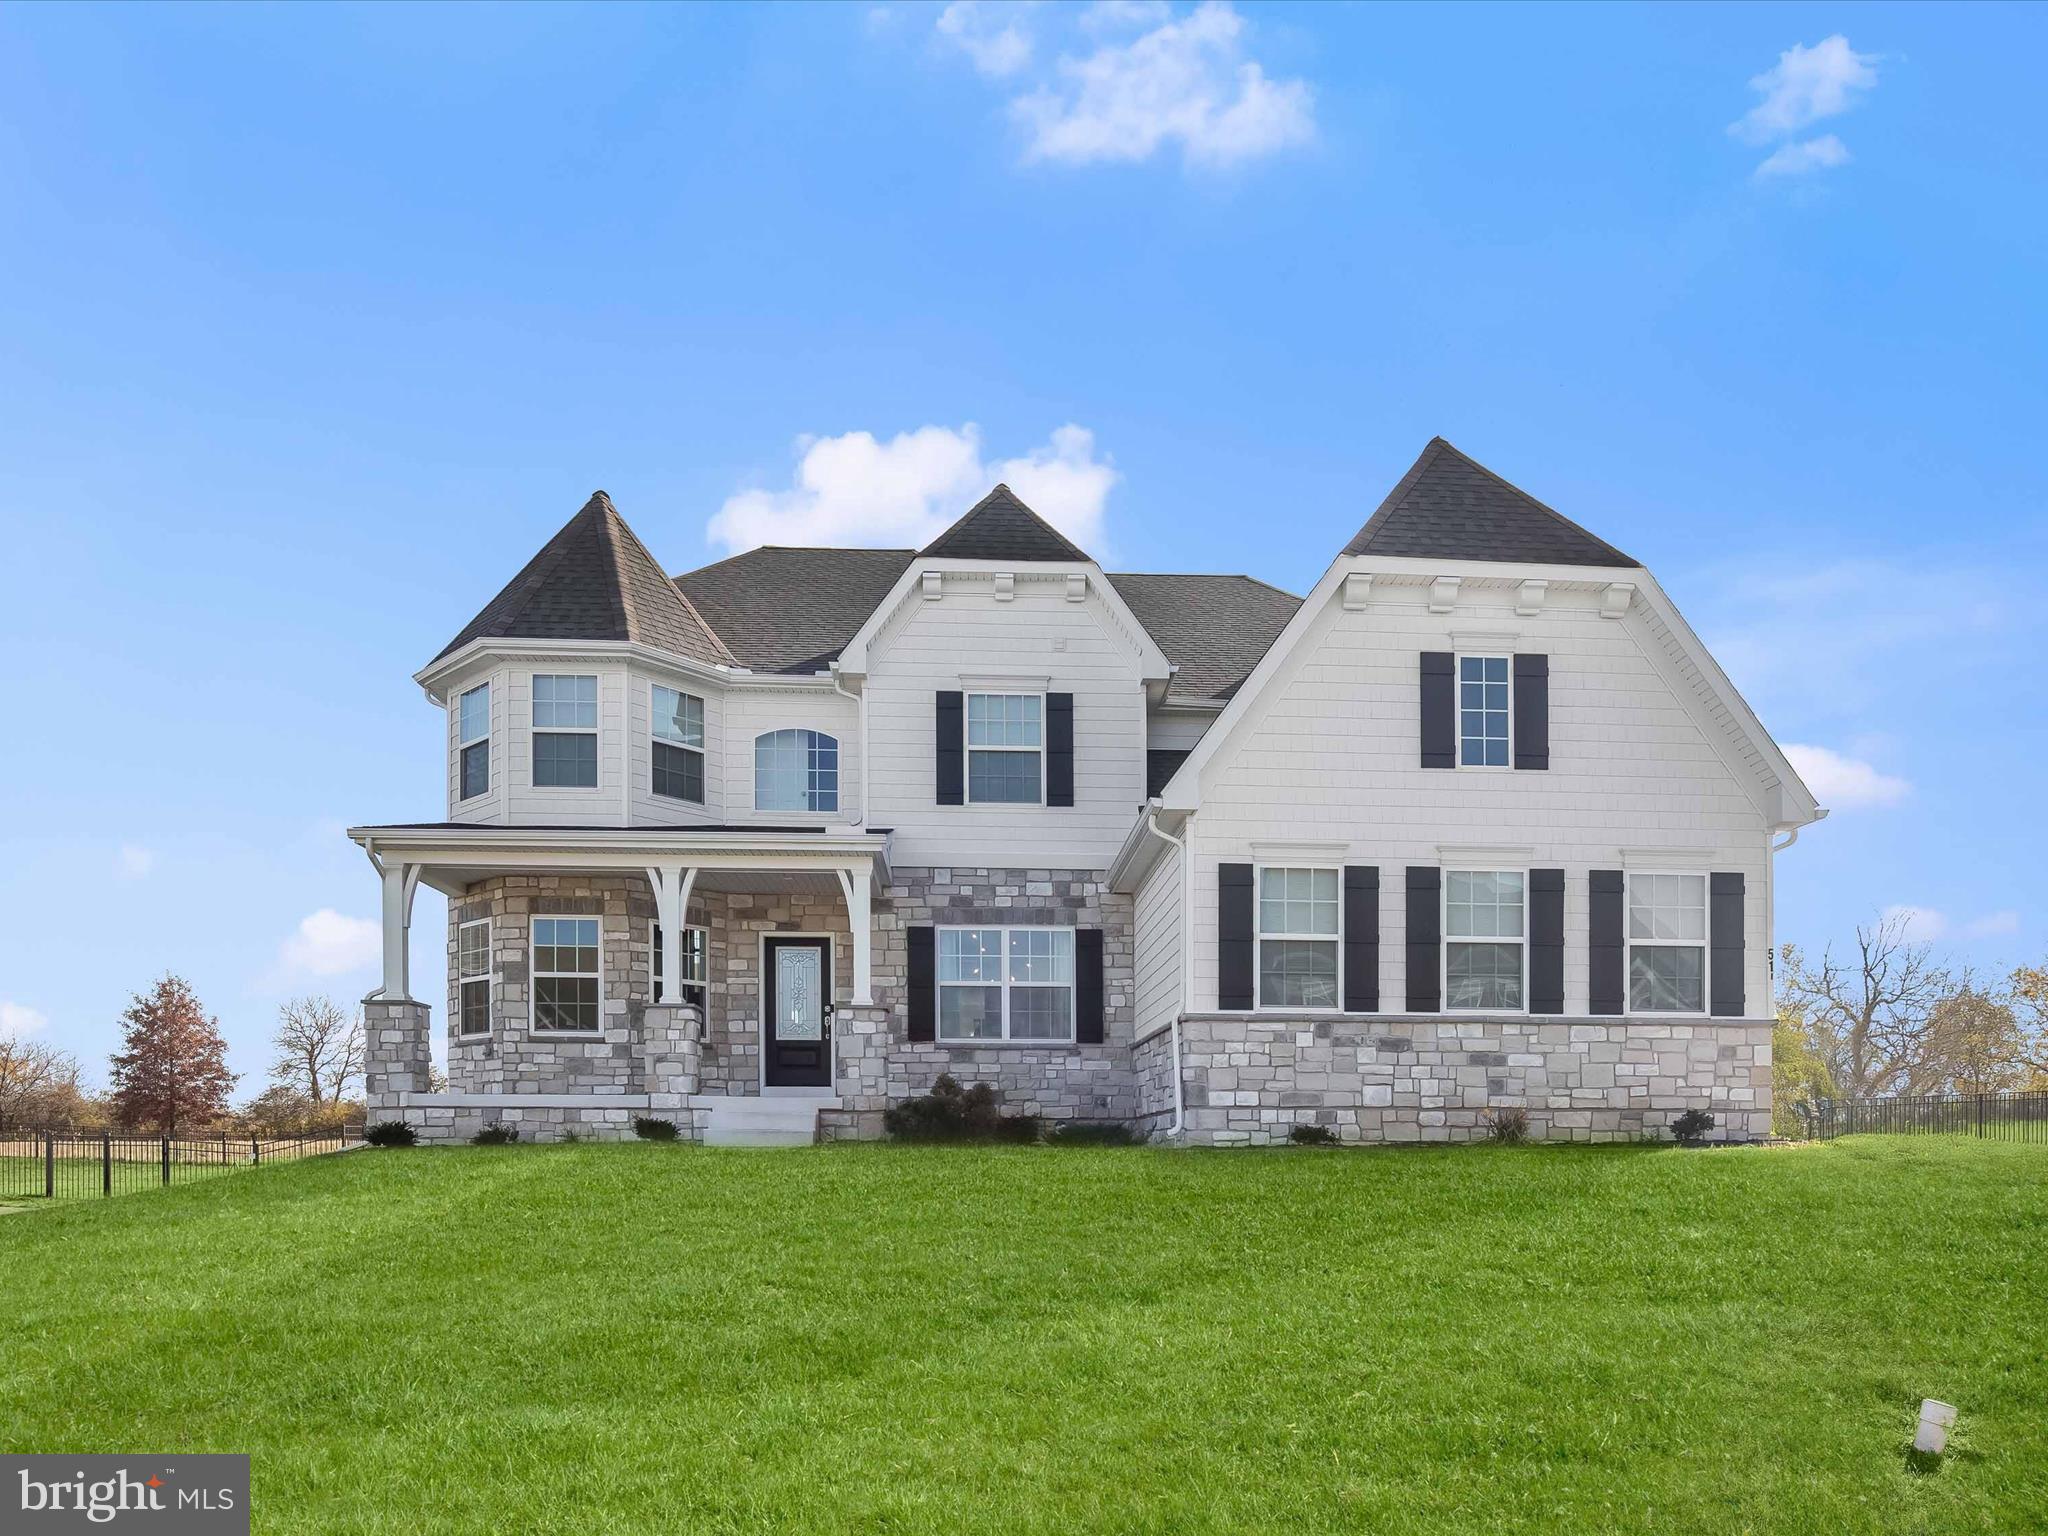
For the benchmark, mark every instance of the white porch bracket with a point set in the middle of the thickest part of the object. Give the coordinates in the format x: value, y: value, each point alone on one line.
x: 401, y: 882
x: 861, y: 926
x: 671, y: 884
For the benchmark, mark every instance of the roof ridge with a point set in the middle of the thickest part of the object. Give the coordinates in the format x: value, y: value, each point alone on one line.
x: 616, y: 525
x: 1448, y: 505
x: 1542, y: 506
x: 1028, y: 543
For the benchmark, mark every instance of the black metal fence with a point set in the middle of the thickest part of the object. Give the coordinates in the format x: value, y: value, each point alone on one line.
x: 1991, y: 1116
x: 71, y: 1165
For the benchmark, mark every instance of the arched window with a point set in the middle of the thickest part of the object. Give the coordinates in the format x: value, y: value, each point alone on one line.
x: 796, y: 771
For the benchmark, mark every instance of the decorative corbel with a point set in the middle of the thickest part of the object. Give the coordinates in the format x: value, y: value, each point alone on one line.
x: 1529, y: 598
x: 1006, y: 586
x: 1615, y: 598
x: 931, y: 584
x: 1077, y: 586
x: 1357, y: 590
x: 1443, y: 594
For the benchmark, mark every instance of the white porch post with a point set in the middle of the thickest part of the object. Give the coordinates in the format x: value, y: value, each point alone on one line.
x: 400, y: 881
x: 671, y: 884
x: 855, y: 886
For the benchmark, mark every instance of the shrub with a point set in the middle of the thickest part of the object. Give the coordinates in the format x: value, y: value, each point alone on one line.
x: 952, y: 1113
x: 1094, y: 1133
x: 1691, y: 1127
x: 1313, y: 1136
x: 496, y: 1134
x: 647, y: 1128
x: 1508, y: 1125
x: 391, y: 1133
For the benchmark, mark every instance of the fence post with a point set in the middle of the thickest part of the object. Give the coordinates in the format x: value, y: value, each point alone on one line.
x: 255, y: 1152
x: 167, y: 1161
x: 49, y: 1165
x: 106, y: 1163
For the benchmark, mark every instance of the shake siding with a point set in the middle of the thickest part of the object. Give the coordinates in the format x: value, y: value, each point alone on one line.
x: 1157, y: 945
x: 749, y: 713
x: 599, y: 807
x: 955, y: 643
x: 1332, y: 754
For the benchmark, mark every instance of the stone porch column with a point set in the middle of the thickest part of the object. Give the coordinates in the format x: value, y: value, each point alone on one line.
x: 860, y: 1049
x: 673, y: 1036
x: 397, y: 1054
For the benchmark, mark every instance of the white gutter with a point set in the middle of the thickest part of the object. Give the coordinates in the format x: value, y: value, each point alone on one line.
x: 1187, y: 950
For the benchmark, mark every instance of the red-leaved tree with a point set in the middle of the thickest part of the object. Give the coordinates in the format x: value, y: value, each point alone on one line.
x: 172, y: 1068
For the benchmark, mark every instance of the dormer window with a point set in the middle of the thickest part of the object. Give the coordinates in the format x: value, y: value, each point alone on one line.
x: 1483, y: 712
x: 473, y: 742
x: 678, y: 745
x: 796, y: 771
x: 564, y: 732
x: 1005, y: 748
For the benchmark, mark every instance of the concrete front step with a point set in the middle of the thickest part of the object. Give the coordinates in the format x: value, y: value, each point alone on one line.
x: 761, y: 1122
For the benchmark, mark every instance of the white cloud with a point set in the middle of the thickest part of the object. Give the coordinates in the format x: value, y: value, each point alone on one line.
x: 18, y: 1021
x: 858, y: 490
x: 1801, y: 159
x: 1993, y: 925
x: 1841, y: 782
x: 994, y: 35
x: 1804, y: 86
x: 329, y: 943
x: 1184, y: 81
x: 134, y: 861
x: 1924, y: 925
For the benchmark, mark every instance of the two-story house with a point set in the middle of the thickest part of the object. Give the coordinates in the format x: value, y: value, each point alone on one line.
x: 765, y: 847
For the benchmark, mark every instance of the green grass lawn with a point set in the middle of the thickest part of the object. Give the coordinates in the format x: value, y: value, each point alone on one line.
x: 647, y: 1338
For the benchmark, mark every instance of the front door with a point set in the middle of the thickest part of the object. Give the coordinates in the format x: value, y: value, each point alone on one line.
x: 796, y: 1033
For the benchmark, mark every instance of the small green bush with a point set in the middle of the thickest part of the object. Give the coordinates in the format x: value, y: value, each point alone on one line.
x: 1313, y: 1136
x: 952, y: 1113
x: 496, y: 1134
x: 1691, y: 1127
x: 647, y: 1128
x: 1508, y: 1125
x: 1094, y: 1133
x: 391, y: 1133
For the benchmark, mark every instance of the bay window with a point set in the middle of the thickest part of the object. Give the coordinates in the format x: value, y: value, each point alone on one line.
x: 568, y: 988
x: 473, y: 977
x: 473, y: 742
x: 678, y: 766
x: 565, y: 732
x: 696, y: 968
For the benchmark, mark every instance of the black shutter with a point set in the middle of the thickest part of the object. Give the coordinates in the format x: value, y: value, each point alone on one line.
x: 1059, y: 749
x: 1546, y: 941
x: 1088, y: 985
x: 1439, y: 710
x: 1604, y: 949
x: 1361, y: 938
x: 952, y: 761
x: 1725, y: 956
x: 1532, y: 711
x: 1425, y: 938
x: 924, y: 981
x: 1233, y: 936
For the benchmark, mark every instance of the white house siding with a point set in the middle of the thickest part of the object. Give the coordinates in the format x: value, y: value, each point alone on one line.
x: 1331, y: 755
x: 489, y: 807
x: 968, y: 638
x: 648, y: 808
x: 1157, y: 962
x: 1177, y: 730
x: 529, y: 805
x: 752, y: 711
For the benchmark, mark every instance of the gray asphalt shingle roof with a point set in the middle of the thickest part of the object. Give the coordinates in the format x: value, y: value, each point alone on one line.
x: 1213, y: 629
x: 1000, y: 527
x: 792, y: 610
x: 594, y: 580
x: 1450, y: 507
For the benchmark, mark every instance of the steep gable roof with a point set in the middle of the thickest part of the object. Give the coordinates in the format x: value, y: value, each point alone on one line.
x: 1213, y: 629
x: 792, y: 610
x: 1000, y: 527
x: 595, y: 580
x: 1452, y: 507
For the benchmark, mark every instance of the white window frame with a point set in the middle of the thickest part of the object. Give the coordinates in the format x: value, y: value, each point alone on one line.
x: 968, y: 749
x: 1444, y: 940
x: 838, y: 752
x: 534, y: 974
x: 1260, y: 936
x: 464, y: 743
x: 702, y: 983
x: 464, y: 979
x: 656, y: 741
x: 1458, y: 660
x: 1054, y: 1042
x: 535, y: 731
x: 1704, y: 944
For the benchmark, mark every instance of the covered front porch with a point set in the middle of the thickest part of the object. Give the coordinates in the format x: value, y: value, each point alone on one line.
x: 698, y: 975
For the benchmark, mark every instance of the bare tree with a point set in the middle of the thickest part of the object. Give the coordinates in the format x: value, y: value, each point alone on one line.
x: 33, y: 1077
x: 319, y: 1049
x: 1873, y: 1016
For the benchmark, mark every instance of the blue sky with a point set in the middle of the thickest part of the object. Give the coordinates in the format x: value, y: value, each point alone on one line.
x: 315, y: 323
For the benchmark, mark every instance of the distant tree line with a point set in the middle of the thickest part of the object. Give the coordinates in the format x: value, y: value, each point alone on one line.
x: 170, y: 1076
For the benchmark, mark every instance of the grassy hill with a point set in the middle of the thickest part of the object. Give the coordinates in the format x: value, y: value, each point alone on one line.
x: 646, y: 1338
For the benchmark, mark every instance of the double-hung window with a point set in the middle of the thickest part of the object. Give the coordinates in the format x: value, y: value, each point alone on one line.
x: 473, y: 977
x: 696, y: 967
x: 1485, y: 941
x: 1483, y: 712
x: 567, y: 986
x: 1005, y: 748
x: 678, y: 765
x: 1006, y: 984
x: 796, y: 771
x: 565, y: 732
x: 1667, y: 943
x: 473, y: 742
x: 1297, y: 942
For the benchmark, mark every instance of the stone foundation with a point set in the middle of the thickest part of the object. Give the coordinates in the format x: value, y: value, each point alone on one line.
x: 1426, y: 1078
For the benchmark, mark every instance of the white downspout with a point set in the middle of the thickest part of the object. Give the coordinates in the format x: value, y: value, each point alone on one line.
x: 1187, y: 952
x: 860, y: 702
x: 1772, y: 850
